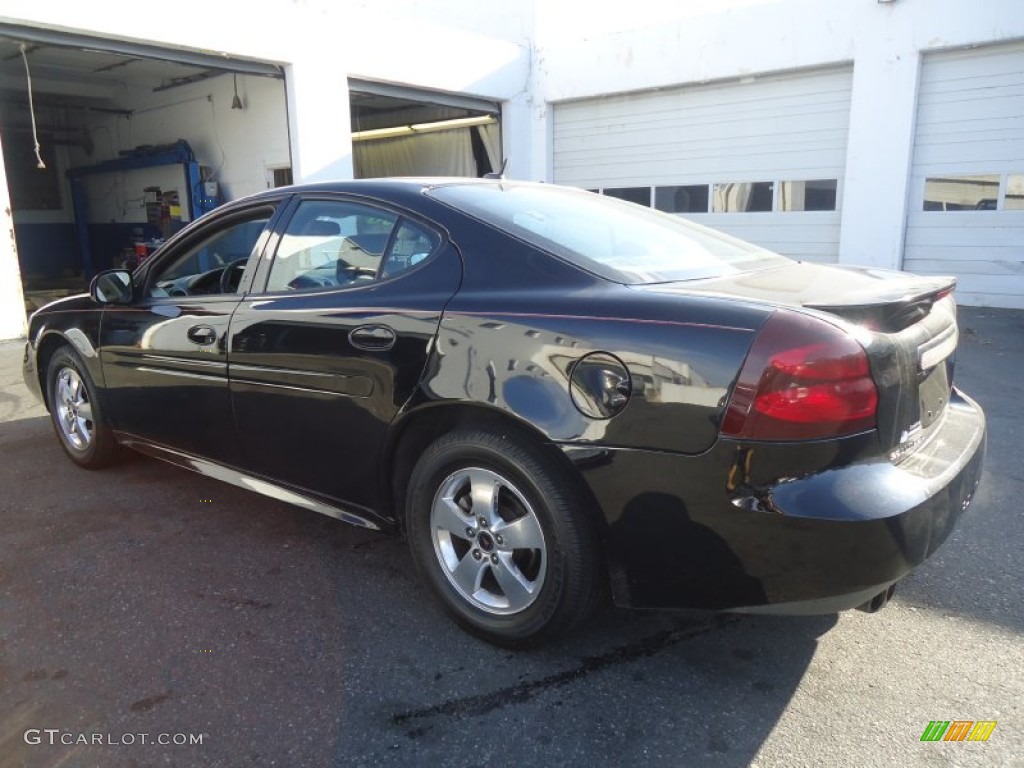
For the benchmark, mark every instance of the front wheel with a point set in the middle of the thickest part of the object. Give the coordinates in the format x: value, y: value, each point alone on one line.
x: 76, y: 413
x: 501, y: 537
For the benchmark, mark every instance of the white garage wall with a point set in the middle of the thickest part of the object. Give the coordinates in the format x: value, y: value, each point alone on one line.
x: 12, y: 315
x: 970, y: 121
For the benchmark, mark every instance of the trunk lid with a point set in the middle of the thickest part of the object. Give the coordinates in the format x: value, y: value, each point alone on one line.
x: 879, y: 299
x: 906, y: 323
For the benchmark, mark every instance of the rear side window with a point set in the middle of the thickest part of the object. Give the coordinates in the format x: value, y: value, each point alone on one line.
x: 616, y: 240
x: 338, y: 244
x: 411, y: 245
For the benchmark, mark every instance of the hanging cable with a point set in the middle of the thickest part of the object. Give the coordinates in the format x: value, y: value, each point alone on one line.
x: 32, y: 110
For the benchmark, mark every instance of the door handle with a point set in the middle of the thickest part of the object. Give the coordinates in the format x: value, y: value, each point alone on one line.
x: 201, y: 334
x: 373, y: 338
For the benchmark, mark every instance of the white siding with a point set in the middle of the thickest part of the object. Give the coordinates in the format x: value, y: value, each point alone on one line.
x: 970, y: 121
x: 776, y: 128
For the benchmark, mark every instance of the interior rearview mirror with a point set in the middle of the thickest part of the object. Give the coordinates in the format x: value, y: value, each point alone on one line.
x: 114, y: 286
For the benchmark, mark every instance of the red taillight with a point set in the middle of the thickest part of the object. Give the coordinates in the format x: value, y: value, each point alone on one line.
x: 804, y: 378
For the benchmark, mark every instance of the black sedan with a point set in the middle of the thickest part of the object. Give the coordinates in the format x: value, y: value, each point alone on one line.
x: 555, y: 396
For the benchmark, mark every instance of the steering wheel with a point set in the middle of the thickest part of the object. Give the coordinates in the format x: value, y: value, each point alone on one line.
x: 351, y: 272
x: 231, y: 275
x: 356, y: 272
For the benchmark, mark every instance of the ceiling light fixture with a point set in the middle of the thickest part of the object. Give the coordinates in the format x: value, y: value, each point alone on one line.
x: 459, y: 122
x: 407, y: 130
x: 382, y: 133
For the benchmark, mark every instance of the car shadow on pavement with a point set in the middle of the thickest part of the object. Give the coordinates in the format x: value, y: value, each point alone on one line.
x: 146, y: 599
x: 654, y: 689
x: 976, y: 574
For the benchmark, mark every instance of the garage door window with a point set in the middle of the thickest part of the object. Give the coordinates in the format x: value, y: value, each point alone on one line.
x: 1014, y: 200
x: 961, y: 193
x: 689, y: 198
x: 816, y: 195
x: 638, y: 195
x: 743, y: 197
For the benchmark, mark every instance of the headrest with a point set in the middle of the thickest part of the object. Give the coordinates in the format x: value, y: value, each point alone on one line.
x: 321, y: 228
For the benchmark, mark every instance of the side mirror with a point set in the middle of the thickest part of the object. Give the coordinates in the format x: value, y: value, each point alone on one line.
x: 113, y: 286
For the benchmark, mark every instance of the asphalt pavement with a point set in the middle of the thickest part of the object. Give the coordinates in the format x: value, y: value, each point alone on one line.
x: 146, y: 603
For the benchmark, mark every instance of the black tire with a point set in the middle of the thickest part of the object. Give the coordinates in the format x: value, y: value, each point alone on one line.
x: 86, y: 439
x: 527, y: 489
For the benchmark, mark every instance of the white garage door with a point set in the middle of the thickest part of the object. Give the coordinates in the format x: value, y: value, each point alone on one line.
x: 966, y: 208
x: 762, y: 159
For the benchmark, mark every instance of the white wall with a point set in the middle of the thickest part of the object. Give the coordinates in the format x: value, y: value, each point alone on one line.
x: 12, y: 303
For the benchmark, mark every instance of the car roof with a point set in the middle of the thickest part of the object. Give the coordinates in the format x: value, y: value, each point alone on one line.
x: 395, y: 185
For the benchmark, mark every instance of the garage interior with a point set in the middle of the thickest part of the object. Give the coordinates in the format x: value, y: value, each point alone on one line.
x: 135, y: 142
x: 132, y: 145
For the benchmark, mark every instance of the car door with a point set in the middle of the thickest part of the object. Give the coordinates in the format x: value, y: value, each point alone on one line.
x: 164, y: 356
x: 323, y: 358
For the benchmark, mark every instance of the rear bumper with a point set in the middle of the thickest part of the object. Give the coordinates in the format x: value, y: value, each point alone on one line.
x: 740, y: 528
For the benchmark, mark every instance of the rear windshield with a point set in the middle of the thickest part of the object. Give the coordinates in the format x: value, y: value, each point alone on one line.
x: 620, y: 241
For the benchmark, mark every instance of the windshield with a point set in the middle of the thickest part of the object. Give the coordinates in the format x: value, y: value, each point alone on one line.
x: 620, y: 241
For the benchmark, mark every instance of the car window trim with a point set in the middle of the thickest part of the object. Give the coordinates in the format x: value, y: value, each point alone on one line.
x: 261, y: 274
x: 392, y: 236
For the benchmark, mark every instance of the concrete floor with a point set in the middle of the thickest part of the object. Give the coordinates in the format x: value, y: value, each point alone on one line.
x: 148, y: 600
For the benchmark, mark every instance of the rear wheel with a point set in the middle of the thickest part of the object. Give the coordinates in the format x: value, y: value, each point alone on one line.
x: 500, y: 537
x: 76, y: 413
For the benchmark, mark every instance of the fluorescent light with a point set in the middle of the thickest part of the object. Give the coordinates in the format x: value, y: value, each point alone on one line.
x: 382, y: 133
x: 460, y: 122
x: 406, y: 130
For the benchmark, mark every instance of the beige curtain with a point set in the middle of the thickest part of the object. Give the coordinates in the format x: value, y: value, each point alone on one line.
x: 439, y: 153
x: 491, y: 136
x: 732, y: 197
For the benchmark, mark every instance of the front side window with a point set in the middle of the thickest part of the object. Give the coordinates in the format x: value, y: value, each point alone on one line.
x: 214, y: 265
x: 339, y: 244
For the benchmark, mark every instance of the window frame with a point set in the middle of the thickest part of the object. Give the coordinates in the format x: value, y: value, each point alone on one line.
x: 261, y: 279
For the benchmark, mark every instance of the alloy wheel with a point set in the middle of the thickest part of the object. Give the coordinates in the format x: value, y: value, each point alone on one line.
x: 488, y: 541
x: 74, y: 411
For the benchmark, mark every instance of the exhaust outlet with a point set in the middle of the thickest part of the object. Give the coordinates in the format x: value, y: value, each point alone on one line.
x: 878, y: 602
